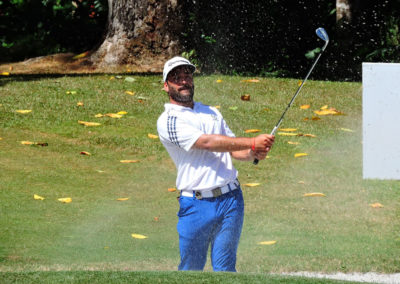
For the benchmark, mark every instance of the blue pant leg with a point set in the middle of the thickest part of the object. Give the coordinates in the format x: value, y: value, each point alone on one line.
x: 194, y: 228
x: 227, y: 236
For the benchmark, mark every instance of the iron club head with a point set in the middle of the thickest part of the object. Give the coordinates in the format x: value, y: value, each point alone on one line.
x: 322, y: 34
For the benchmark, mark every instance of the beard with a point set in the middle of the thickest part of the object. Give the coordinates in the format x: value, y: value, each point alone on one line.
x: 176, y: 95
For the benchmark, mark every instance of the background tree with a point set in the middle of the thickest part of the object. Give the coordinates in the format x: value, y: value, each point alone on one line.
x: 140, y: 32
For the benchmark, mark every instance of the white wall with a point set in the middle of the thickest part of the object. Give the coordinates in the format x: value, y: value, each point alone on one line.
x: 381, y: 120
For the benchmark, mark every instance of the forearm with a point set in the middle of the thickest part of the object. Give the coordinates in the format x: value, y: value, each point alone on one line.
x: 221, y: 143
x: 244, y: 155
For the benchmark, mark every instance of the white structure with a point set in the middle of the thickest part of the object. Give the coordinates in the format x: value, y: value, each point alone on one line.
x: 381, y: 120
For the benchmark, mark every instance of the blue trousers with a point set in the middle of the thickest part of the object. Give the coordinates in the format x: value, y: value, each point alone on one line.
x: 217, y: 221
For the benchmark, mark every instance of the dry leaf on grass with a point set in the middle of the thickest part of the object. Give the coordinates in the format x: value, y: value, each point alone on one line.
x: 346, y: 129
x: 219, y: 81
x: 38, y: 197
x: 65, y: 200
x: 130, y: 93
x: 123, y: 199
x: 138, y: 236
x: 152, y: 136
x: 293, y: 143
x: 171, y: 189
x: 23, y: 111
x: 267, y: 243
x: 251, y: 81
x: 252, y: 130
x: 304, y: 106
x: 245, y: 98
x: 129, y: 161
x: 313, y: 194
x: 287, y: 134
x: 87, y: 123
x: 298, y: 155
x: 79, y: 104
x: 253, y: 184
x: 376, y: 205
x: 85, y: 153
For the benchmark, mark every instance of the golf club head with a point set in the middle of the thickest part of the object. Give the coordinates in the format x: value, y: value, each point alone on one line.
x: 322, y: 34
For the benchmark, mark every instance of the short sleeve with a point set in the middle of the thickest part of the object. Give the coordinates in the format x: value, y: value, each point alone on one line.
x: 176, y: 131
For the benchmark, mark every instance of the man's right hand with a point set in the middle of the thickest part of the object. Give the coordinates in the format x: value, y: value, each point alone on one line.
x: 263, y: 142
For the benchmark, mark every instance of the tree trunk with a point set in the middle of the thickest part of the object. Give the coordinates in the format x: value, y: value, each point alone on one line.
x: 140, y: 34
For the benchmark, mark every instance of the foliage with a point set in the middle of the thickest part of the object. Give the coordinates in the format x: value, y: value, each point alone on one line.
x: 34, y: 28
x: 277, y: 37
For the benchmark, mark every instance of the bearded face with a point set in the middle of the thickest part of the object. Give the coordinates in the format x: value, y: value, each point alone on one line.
x: 180, y: 86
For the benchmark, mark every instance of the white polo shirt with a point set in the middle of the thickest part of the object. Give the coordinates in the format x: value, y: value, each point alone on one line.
x: 179, y: 128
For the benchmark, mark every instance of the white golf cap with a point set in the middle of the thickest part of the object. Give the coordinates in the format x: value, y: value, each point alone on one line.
x: 175, y: 62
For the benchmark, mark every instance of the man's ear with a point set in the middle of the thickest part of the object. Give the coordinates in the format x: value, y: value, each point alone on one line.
x: 166, y: 88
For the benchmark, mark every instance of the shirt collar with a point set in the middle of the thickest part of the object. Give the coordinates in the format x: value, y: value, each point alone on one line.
x: 169, y: 106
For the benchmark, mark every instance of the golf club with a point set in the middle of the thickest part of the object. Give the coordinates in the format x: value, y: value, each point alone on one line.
x: 321, y: 33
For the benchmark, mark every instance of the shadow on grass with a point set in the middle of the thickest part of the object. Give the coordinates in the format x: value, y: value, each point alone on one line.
x: 4, y: 80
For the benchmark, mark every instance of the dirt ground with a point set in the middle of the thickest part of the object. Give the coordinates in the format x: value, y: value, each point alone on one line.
x: 69, y: 63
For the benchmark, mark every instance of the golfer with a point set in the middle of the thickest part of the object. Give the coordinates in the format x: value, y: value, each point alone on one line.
x: 202, y: 147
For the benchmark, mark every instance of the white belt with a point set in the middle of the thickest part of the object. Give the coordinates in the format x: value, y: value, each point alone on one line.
x: 199, y: 194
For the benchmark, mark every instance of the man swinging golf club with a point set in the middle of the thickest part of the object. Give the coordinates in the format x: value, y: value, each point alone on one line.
x: 202, y: 146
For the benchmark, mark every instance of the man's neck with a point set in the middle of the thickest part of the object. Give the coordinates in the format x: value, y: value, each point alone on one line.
x: 185, y: 104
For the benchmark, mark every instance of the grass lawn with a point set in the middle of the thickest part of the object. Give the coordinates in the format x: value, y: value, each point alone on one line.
x: 339, y: 232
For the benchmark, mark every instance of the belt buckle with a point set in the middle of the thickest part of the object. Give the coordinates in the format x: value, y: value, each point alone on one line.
x: 198, y: 195
x: 216, y: 192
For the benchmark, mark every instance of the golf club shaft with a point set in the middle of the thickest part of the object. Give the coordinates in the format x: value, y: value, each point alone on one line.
x: 255, y: 162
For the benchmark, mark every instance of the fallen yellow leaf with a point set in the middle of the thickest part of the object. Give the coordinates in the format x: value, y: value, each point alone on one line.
x: 252, y: 184
x: 27, y: 143
x: 24, y: 111
x: 299, y: 83
x: 305, y: 106
x: 309, y: 135
x: 79, y: 104
x: 287, y: 134
x: 287, y: 129
x: 130, y: 93
x: 293, y: 143
x: 267, y: 243
x: 346, y: 129
x: 298, y: 155
x: 65, y: 200
x: 172, y: 189
x: 301, y: 182
x: 376, y: 205
x: 38, y: 197
x: 219, y: 81
x: 123, y: 199
x: 85, y: 153
x: 82, y: 55
x: 251, y: 81
x: 314, y: 194
x: 113, y: 115
x: 252, y: 130
x: 324, y: 107
x: 217, y: 107
x: 122, y: 112
x: 129, y: 161
x: 98, y: 115
x: 152, y: 136
x: 138, y: 236
x: 86, y: 123
x: 71, y: 92
x: 5, y: 73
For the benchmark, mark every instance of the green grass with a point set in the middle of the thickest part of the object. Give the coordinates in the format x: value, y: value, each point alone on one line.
x: 336, y: 233
x: 154, y: 277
